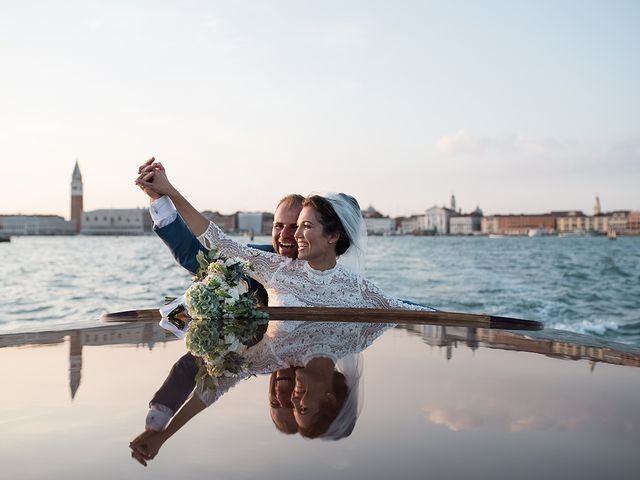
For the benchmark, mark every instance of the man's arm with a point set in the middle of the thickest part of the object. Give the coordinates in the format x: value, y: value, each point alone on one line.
x: 184, y: 246
x: 169, y: 226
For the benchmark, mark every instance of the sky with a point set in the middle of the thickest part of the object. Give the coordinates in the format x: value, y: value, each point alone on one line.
x: 513, y: 106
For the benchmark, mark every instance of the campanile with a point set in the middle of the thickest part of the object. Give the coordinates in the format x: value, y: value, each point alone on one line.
x: 76, y: 196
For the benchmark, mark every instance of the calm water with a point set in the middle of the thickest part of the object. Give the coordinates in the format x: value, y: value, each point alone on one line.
x: 588, y: 285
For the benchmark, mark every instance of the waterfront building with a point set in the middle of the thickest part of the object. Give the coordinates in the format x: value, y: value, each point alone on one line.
x: 378, y: 224
x: 437, y: 220
x: 518, y: 224
x: 489, y: 225
x: 413, y: 225
x: 35, y: 225
x: 633, y: 223
x: 573, y: 221
x: 267, y: 223
x: 228, y: 223
x: 254, y: 222
x: 467, y: 224
x: 618, y: 221
x: 76, y: 197
x: 598, y: 223
x: 133, y: 221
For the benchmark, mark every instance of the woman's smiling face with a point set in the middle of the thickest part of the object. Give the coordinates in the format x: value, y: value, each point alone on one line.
x: 314, y: 245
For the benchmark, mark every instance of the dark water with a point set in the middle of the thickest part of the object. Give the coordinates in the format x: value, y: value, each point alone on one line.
x: 588, y: 285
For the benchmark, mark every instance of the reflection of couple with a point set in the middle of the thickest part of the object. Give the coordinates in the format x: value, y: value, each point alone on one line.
x: 319, y: 248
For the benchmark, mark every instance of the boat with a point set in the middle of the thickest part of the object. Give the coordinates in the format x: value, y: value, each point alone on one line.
x: 5, y: 238
x: 532, y: 394
x: 612, y: 235
x: 537, y: 232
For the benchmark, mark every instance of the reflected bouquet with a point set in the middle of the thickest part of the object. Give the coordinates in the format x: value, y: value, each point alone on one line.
x: 224, y: 317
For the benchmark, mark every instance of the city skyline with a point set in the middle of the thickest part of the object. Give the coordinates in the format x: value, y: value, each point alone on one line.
x: 524, y: 108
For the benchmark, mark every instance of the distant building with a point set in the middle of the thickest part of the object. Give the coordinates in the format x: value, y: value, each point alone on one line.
x: 571, y: 221
x: 413, y: 225
x: 518, y: 224
x: 437, y: 219
x: 35, y: 225
x: 377, y: 223
x: 134, y: 221
x: 467, y: 224
x: 380, y: 226
x: 596, y: 207
x: 371, y: 213
x: 618, y: 221
x: 633, y: 223
x: 598, y: 223
x: 76, y: 197
x: 228, y: 223
x: 252, y: 222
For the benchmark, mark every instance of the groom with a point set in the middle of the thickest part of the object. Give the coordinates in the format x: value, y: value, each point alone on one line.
x: 184, y: 246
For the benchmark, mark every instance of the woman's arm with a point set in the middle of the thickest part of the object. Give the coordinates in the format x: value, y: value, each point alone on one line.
x: 376, y: 298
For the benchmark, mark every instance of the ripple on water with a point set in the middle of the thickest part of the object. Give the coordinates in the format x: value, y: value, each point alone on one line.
x: 586, y: 285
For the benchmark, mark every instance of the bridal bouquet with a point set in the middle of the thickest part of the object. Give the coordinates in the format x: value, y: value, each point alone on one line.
x: 224, y: 317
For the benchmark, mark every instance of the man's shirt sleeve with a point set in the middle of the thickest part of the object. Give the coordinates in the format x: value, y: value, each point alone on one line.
x: 162, y: 211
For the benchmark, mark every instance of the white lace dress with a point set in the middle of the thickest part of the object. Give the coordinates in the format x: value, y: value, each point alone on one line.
x: 287, y: 344
x: 293, y: 283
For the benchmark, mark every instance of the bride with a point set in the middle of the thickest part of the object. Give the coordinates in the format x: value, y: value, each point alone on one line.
x: 331, y: 237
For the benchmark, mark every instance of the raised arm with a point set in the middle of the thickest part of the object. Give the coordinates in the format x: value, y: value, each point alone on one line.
x: 209, y: 234
x: 156, y: 180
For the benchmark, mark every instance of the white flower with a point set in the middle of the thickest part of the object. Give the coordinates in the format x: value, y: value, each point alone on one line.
x: 242, y: 287
x: 235, y: 346
x: 232, y: 261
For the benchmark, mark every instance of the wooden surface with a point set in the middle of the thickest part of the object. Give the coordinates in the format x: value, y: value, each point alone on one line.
x: 361, y: 315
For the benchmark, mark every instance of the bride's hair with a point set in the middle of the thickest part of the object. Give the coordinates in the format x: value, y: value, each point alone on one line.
x: 329, y: 220
x: 340, y: 213
x: 328, y: 411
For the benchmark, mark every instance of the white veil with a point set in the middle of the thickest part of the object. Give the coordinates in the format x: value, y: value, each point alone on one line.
x: 348, y: 211
x: 342, y: 426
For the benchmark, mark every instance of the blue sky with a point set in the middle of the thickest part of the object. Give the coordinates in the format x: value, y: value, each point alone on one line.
x: 514, y: 106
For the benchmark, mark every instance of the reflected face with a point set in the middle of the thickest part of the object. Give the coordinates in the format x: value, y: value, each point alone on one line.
x: 281, y: 408
x: 311, y: 394
x: 284, y: 227
x: 281, y: 386
x: 313, y: 243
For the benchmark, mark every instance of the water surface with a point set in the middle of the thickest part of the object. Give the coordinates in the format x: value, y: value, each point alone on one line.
x: 587, y: 285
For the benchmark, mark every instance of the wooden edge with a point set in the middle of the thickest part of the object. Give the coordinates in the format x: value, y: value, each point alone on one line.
x: 360, y: 315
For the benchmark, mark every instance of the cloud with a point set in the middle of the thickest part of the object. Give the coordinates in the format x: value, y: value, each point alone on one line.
x: 506, y: 418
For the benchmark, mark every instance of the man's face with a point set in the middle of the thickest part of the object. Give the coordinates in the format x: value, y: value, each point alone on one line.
x: 285, y: 222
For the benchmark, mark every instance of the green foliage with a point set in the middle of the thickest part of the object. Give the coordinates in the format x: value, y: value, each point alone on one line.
x: 224, y: 317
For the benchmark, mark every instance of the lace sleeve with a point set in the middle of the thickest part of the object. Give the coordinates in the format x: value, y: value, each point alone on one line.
x: 376, y: 298
x: 265, y: 264
x: 208, y: 396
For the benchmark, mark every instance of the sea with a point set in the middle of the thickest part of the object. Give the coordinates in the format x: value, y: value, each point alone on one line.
x: 581, y: 284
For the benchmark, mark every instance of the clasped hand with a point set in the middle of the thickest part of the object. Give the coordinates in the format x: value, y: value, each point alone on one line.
x: 152, y: 179
x: 146, y: 446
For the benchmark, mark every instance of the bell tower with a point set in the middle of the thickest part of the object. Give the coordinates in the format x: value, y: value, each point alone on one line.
x: 596, y: 206
x: 76, y: 196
